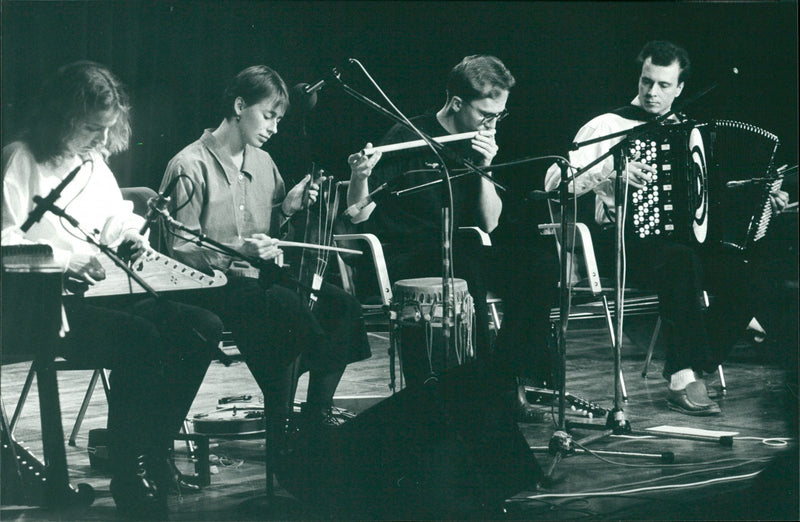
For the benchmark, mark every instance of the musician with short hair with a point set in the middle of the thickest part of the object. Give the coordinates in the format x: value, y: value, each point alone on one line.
x: 158, y: 351
x: 673, y: 269
x: 231, y: 191
x: 410, y: 226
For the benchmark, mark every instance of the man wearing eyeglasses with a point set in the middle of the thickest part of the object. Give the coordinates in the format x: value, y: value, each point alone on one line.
x: 409, y: 227
x: 477, y: 92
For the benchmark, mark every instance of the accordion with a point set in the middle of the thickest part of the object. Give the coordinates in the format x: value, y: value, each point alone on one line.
x: 712, y: 183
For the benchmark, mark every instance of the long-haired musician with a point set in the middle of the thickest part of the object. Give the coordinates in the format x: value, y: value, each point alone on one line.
x: 231, y: 191
x: 674, y: 269
x: 158, y: 351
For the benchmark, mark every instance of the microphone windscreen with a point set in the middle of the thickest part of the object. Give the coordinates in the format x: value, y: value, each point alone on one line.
x: 300, y: 100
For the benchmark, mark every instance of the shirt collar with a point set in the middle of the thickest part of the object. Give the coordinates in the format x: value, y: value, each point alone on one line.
x: 250, y: 163
x: 210, y: 142
x: 672, y: 117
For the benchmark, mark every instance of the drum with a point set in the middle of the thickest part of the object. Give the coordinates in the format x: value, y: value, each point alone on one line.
x: 416, y: 327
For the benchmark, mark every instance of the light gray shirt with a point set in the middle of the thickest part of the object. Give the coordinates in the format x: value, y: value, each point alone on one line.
x: 220, y: 200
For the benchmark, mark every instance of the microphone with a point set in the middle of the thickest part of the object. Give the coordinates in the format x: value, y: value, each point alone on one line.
x: 157, y: 204
x: 332, y: 76
x: 744, y: 182
x: 357, y: 207
x: 46, y: 203
x: 301, y: 99
x: 541, y: 195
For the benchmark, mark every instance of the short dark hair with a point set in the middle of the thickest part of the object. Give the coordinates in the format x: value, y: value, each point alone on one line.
x: 479, y: 76
x: 76, y: 91
x: 665, y: 53
x: 254, y: 84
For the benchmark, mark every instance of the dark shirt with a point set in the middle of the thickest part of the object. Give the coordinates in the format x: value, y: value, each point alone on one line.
x: 413, y: 219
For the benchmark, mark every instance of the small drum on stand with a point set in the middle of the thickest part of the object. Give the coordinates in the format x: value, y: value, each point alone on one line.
x: 416, y: 331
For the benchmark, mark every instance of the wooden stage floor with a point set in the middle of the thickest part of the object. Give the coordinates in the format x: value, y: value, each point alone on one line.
x: 707, y: 481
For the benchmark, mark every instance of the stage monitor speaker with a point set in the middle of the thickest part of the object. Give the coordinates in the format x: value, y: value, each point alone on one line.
x: 449, y: 449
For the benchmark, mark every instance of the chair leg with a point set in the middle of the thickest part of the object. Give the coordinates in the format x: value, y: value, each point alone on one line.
x: 652, y: 347
x: 104, y: 379
x: 722, y: 379
x: 495, y: 316
x: 190, y: 445
x: 85, y: 405
x: 23, y: 396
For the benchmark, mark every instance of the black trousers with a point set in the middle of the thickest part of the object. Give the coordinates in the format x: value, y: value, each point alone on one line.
x: 695, y: 337
x: 158, y: 353
x: 273, y: 326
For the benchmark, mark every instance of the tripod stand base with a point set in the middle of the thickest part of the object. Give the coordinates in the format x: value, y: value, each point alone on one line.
x: 618, y: 421
x: 616, y: 424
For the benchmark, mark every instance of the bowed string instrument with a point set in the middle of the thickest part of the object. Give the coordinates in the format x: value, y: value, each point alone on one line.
x: 318, y: 230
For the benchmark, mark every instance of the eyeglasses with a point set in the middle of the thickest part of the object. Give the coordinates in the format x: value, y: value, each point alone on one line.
x: 486, y: 117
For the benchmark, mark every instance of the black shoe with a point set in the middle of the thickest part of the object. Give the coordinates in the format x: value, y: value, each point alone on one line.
x: 692, y: 400
x: 136, y: 494
x: 315, y: 417
x: 169, y: 479
x: 523, y: 410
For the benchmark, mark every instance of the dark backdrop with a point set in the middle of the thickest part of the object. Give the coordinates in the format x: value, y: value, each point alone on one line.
x: 571, y: 60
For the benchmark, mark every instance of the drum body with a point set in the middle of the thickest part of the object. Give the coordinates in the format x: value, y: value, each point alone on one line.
x: 417, y: 331
x: 696, y: 195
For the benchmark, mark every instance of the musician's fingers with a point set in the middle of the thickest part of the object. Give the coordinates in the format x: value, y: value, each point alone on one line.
x: 485, y: 137
x: 487, y: 149
x: 89, y: 274
x: 373, y: 159
x: 87, y: 278
x: 361, y: 163
x: 268, y: 254
x: 260, y: 241
x: 137, y: 251
x: 641, y: 173
x: 783, y: 197
x: 366, y: 151
x: 631, y: 179
x: 778, y: 200
x: 95, y: 269
x: 485, y: 143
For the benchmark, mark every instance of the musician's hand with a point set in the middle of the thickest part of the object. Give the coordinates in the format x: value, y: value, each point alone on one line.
x: 484, y: 144
x: 133, y: 246
x: 639, y: 174
x: 313, y: 189
x: 262, y: 246
x: 361, y: 163
x: 293, y: 202
x: 778, y: 199
x: 86, y: 268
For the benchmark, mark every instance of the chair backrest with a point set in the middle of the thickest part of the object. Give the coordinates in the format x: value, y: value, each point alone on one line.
x: 578, y: 240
